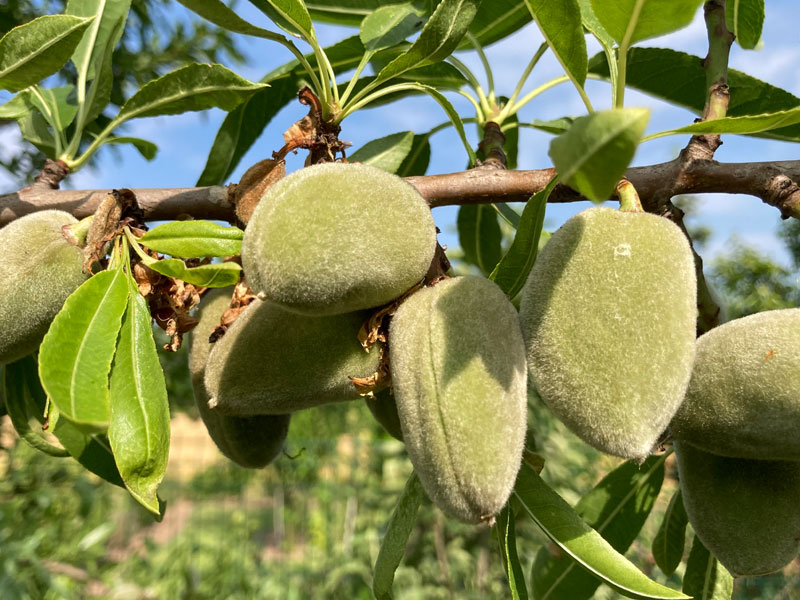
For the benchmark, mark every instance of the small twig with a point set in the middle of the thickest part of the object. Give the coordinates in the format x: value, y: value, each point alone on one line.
x: 490, y: 149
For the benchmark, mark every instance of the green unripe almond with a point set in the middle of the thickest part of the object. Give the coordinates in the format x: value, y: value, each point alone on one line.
x: 384, y: 408
x: 336, y: 238
x: 744, y: 396
x: 251, y: 442
x: 609, y: 318
x: 744, y: 511
x: 459, y: 377
x: 274, y: 361
x: 39, y: 268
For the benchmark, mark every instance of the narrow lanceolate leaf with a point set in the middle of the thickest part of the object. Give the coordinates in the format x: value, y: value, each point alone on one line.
x: 705, y: 578
x: 575, y: 538
x: 91, y: 451
x: 560, y: 24
x: 593, y: 155
x: 592, y: 24
x: 512, y: 271
x: 342, y: 12
x: 18, y: 397
x: 645, y: 18
x: 386, y: 153
x: 389, y: 25
x: 679, y: 79
x: 479, y: 236
x: 616, y: 508
x: 290, y: 15
x: 194, y: 87
x: 58, y: 103
x: 211, y: 276
x: 393, y: 546
x: 139, y: 425
x: 75, y: 355
x: 417, y: 160
x: 670, y: 540
x: 440, y: 36
x: 495, y: 20
x: 219, y: 13
x: 147, y: 149
x: 554, y: 126
x: 96, y: 46
x: 741, y: 125
x: 36, y: 50
x: 507, y: 538
x: 745, y: 18
x: 191, y: 239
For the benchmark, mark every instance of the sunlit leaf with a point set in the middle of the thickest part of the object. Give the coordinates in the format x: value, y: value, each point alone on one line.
x: 745, y: 19
x: 190, y: 239
x: 385, y: 153
x: 214, y: 275
x: 645, y: 18
x: 560, y: 24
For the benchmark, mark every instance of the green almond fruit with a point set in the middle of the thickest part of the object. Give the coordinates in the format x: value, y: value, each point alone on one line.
x: 251, y: 442
x: 744, y: 396
x: 384, y: 408
x: 744, y: 511
x: 609, y: 319
x: 274, y: 361
x: 336, y: 238
x: 460, y: 383
x: 39, y: 268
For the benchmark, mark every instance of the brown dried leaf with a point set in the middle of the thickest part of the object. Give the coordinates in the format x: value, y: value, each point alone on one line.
x: 380, y: 379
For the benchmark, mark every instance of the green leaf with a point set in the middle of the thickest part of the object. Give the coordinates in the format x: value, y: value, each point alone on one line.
x: 593, y: 155
x: 36, y: 130
x: 670, y: 540
x: 745, y: 18
x: 417, y: 160
x: 75, y: 355
x: 555, y: 126
x: 19, y: 106
x: 220, y: 14
x: 565, y: 527
x: 58, y: 103
x: 560, y: 24
x: 592, y: 24
x: 512, y: 271
x: 18, y: 396
x: 679, y: 78
x: 454, y: 117
x: 495, y: 20
x: 139, y: 425
x: 386, y: 153
x: 508, y: 214
x: 95, y: 48
x: 740, y: 125
x: 479, y: 236
x: 393, y: 545
x: 438, y: 38
x: 190, y: 239
x: 36, y: 50
x: 616, y: 508
x: 194, y: 87
x: 389, y: 25
x: 506, y: 536
x: 705, y: 578
x: 290, y: 15
x: 655, y: 17
x: 214, y: 275
x: 243, y: 126
x: 147, y: 149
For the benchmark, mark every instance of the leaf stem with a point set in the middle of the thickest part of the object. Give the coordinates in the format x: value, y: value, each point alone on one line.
x: 484, y: 60
x: 505, y: 112
x: 622, y: 54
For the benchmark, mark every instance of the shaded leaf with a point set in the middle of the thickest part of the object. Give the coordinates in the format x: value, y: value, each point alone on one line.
x: 593, y: 155
x: 679, y: 78
x: 670, y: 540
x: 214, y: 275
x: 147, y: 149
x: 94, y: 49
x: 16, y: 108
x: 617, y: 509
x: 194, y: 87
x: 58, y: 104
x: 190, y: 239
x: 506, y: 536
x: 439, y: 37
x: 36, y: 50
x: 745, y: 19
x: 389, y: 25
x: 705, y: 578
x: 290, y: 15
x: 417, y: 160
x: 555, y: 126
x: 139, y: 426
x: 386, y: 153
x: 655, y: 18
x: 512, y: 271
x: 220, y: 14
x: 565, y: 527
x: 497, y: 19
x: 393, y: 545
x: 560, y: 24
x: 479, y: 236
x: 76, y: 353
x: 35, y: 129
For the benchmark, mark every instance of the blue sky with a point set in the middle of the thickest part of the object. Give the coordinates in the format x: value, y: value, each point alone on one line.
x: 184, y: 140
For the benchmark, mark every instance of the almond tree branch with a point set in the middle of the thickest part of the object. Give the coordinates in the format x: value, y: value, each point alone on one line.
x: 776, y: 183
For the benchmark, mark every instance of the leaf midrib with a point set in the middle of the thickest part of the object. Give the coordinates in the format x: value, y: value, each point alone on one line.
x: 42, y: 50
